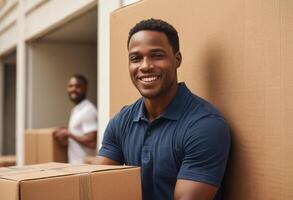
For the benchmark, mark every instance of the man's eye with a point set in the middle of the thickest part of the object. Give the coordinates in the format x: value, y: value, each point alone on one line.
x: 157, y: 56
x: 134, y: 58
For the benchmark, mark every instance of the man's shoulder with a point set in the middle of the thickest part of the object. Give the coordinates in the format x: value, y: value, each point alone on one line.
x: 194, y: 106
x: 199, y: 114
x: 131, y: 109
x: 205, y: 118
x: 204, y: 108
x: 87, y: 104
x: 126, y: 115
x: 85, y: 109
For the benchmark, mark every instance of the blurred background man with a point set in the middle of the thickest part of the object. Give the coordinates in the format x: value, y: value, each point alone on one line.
x: 81, y: 133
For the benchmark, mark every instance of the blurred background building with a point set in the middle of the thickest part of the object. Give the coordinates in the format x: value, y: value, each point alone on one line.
x: 42, y: 43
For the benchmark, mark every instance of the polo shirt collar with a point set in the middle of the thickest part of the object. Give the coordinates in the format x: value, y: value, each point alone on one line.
x: 141, y: 112
x: 174, y: 110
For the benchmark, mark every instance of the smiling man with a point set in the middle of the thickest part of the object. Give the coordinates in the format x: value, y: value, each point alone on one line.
x: 180, y: 141
x: 81, y: 134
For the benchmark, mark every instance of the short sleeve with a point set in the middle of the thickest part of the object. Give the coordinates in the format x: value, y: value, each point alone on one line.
x: 111, y: 146
x: 206, y: 150
x: 89, y: 120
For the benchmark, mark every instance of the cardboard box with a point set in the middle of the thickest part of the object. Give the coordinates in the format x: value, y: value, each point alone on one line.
x: 238, y: 55
x: 41, y: 147
x: 63, y: 181
x: 8, y: 160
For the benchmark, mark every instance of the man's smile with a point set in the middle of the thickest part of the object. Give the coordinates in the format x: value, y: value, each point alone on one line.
x: 148, y: 79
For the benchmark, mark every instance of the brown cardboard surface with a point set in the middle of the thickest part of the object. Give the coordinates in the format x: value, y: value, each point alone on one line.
x: 238, y: 55
x: 41, y: 147
x: 8, y: 190
x: 60, y: 182
x: 12, y: 171
x: 8, y: 160
x: 107, y: 190
x: 43, y: 166
x: 30, y: 148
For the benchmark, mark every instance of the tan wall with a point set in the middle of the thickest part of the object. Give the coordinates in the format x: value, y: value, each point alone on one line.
x: 238, y: 55
x: 50, y: 67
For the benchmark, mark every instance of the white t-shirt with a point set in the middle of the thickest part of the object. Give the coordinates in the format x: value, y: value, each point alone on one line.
x: 83, y: 120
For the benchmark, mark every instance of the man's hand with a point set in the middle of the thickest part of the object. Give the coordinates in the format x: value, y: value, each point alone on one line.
x: 61, y: 134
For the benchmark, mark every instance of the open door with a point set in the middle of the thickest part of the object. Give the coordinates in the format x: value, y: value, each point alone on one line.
x: 8, y: 99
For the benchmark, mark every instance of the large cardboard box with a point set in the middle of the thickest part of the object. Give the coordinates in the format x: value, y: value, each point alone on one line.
x: 238, y: 54
x: 66, y: 182
x: 8, y: 160
x: 41, y: 147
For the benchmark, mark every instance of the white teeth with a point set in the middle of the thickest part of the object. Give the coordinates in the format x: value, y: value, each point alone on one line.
x: 149, y: 79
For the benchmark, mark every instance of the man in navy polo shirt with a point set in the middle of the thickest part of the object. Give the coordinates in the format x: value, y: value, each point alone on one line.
x: 180, y: 141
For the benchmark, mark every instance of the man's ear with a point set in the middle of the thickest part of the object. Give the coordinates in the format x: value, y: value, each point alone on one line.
x: 178, y: 59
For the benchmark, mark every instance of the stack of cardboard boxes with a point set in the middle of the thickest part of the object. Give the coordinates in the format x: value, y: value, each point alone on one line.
x: 41, y: 147
x: 60, y: 181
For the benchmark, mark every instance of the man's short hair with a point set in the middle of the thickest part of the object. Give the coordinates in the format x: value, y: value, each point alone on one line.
x: 160, y: 26
x: 80, y: 78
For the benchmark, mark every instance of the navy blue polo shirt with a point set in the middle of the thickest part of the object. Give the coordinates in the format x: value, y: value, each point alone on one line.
x: 190, y: 140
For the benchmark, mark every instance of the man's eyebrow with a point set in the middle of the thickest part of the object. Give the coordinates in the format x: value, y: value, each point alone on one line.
x: 152, y: 51
x: 133, y: 53
x: 157, y: 50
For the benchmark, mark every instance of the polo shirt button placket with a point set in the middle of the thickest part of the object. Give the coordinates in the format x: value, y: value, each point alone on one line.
x: 146, y: 150
x: 148, y: 133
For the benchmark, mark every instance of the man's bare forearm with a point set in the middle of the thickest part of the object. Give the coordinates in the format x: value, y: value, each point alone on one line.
x: 89, y: 140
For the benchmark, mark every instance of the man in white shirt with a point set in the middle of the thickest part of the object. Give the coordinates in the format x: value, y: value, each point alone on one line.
x: 81, y: 134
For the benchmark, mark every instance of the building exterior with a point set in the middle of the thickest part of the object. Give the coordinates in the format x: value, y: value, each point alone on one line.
x: 43, y: 42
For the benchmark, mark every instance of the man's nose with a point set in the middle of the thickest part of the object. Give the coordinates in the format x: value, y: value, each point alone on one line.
x: 146, y: 64
x: 72, y: 89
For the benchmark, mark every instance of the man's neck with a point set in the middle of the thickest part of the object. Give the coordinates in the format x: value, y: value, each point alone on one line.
x: 156, y: 106
x: 76, y: 103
